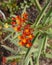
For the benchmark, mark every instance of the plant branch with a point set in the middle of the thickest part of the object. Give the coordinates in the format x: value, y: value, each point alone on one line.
x: 41, y: 14
x: 4, y: 17
x: 38, y: 5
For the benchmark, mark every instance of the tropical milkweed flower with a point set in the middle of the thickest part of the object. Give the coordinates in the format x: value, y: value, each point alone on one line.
x: 13, y: 19
x: 31, y: 36
x: 25, y: 16
x: 13, y: 23
x: 13, y: 63
x: 28, y: 45
x: 4, y: 59
x: 27, y: 35
x: 21, y: 43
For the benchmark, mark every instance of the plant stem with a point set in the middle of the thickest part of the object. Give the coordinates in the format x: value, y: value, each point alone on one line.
x: 4, y: 17
x: 38, y: 5
x: 41, y: 15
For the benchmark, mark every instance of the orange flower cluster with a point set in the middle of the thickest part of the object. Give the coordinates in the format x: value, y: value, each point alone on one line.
x: 27, y: 35
x: 18, y: 21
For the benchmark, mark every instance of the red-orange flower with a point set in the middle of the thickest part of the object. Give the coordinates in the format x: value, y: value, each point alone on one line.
x: 19, y: 27
x: 22, y: 20
x: 31, y: 36
x: 13, y: 23
x: 24, y: 40
x: 26, y: 26
x: 13, y: 63
x: 4, y: 59
x: 27, y: 33
x: 21, y: 43
x: 18, y: 20
x: 26, y: 37
x: 25, y: 16
x: 13, y: 18
x: 28, y: 45
x: 15, y: 28
x: 21, y: 36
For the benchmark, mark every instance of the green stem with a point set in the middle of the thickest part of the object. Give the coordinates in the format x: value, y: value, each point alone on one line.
x: 45, y: 44
x: 40, y: 49
x: 24, y: 10
x: 10, y: 49
x: 47, y: 15
x: 13, y: 57
x: 38, y: 5
x: 41, y: 14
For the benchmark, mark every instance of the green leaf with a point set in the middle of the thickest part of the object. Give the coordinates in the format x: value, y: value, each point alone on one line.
x: 13, y: 57
x: 15, y: 36
x: 38, y: 5
x: 45, y: 44
x: 47, y: 15
x: 9, y: 29
x: 15, y: 41
x: 10, y: 49
x: 7, y: 37
x: 27, y: 61
x: 49, y: 46
x: 41, y: 14
x: 31, y: 61
x: 48, y: 55
x: 1, y: 23
x: 42, y: 41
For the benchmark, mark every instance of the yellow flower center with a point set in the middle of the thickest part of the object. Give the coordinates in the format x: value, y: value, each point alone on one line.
x: 27, y: 30
x: 24, y: 40
x: 30, y: 36
x: 15, y: 28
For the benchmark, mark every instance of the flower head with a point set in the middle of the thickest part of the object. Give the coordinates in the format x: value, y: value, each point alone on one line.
x: 13, y: 19
x: 27, y: 35
x: 4, y: 59
x: 13, y: 63
x: 28, y: 45
x: 25, y: 16
x: 21, y: 43
x: 31, y: 36
x: 13, y: 23
x: 17, y: 28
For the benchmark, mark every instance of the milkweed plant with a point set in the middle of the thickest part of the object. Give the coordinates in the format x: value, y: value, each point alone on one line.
x: 30, y: 39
